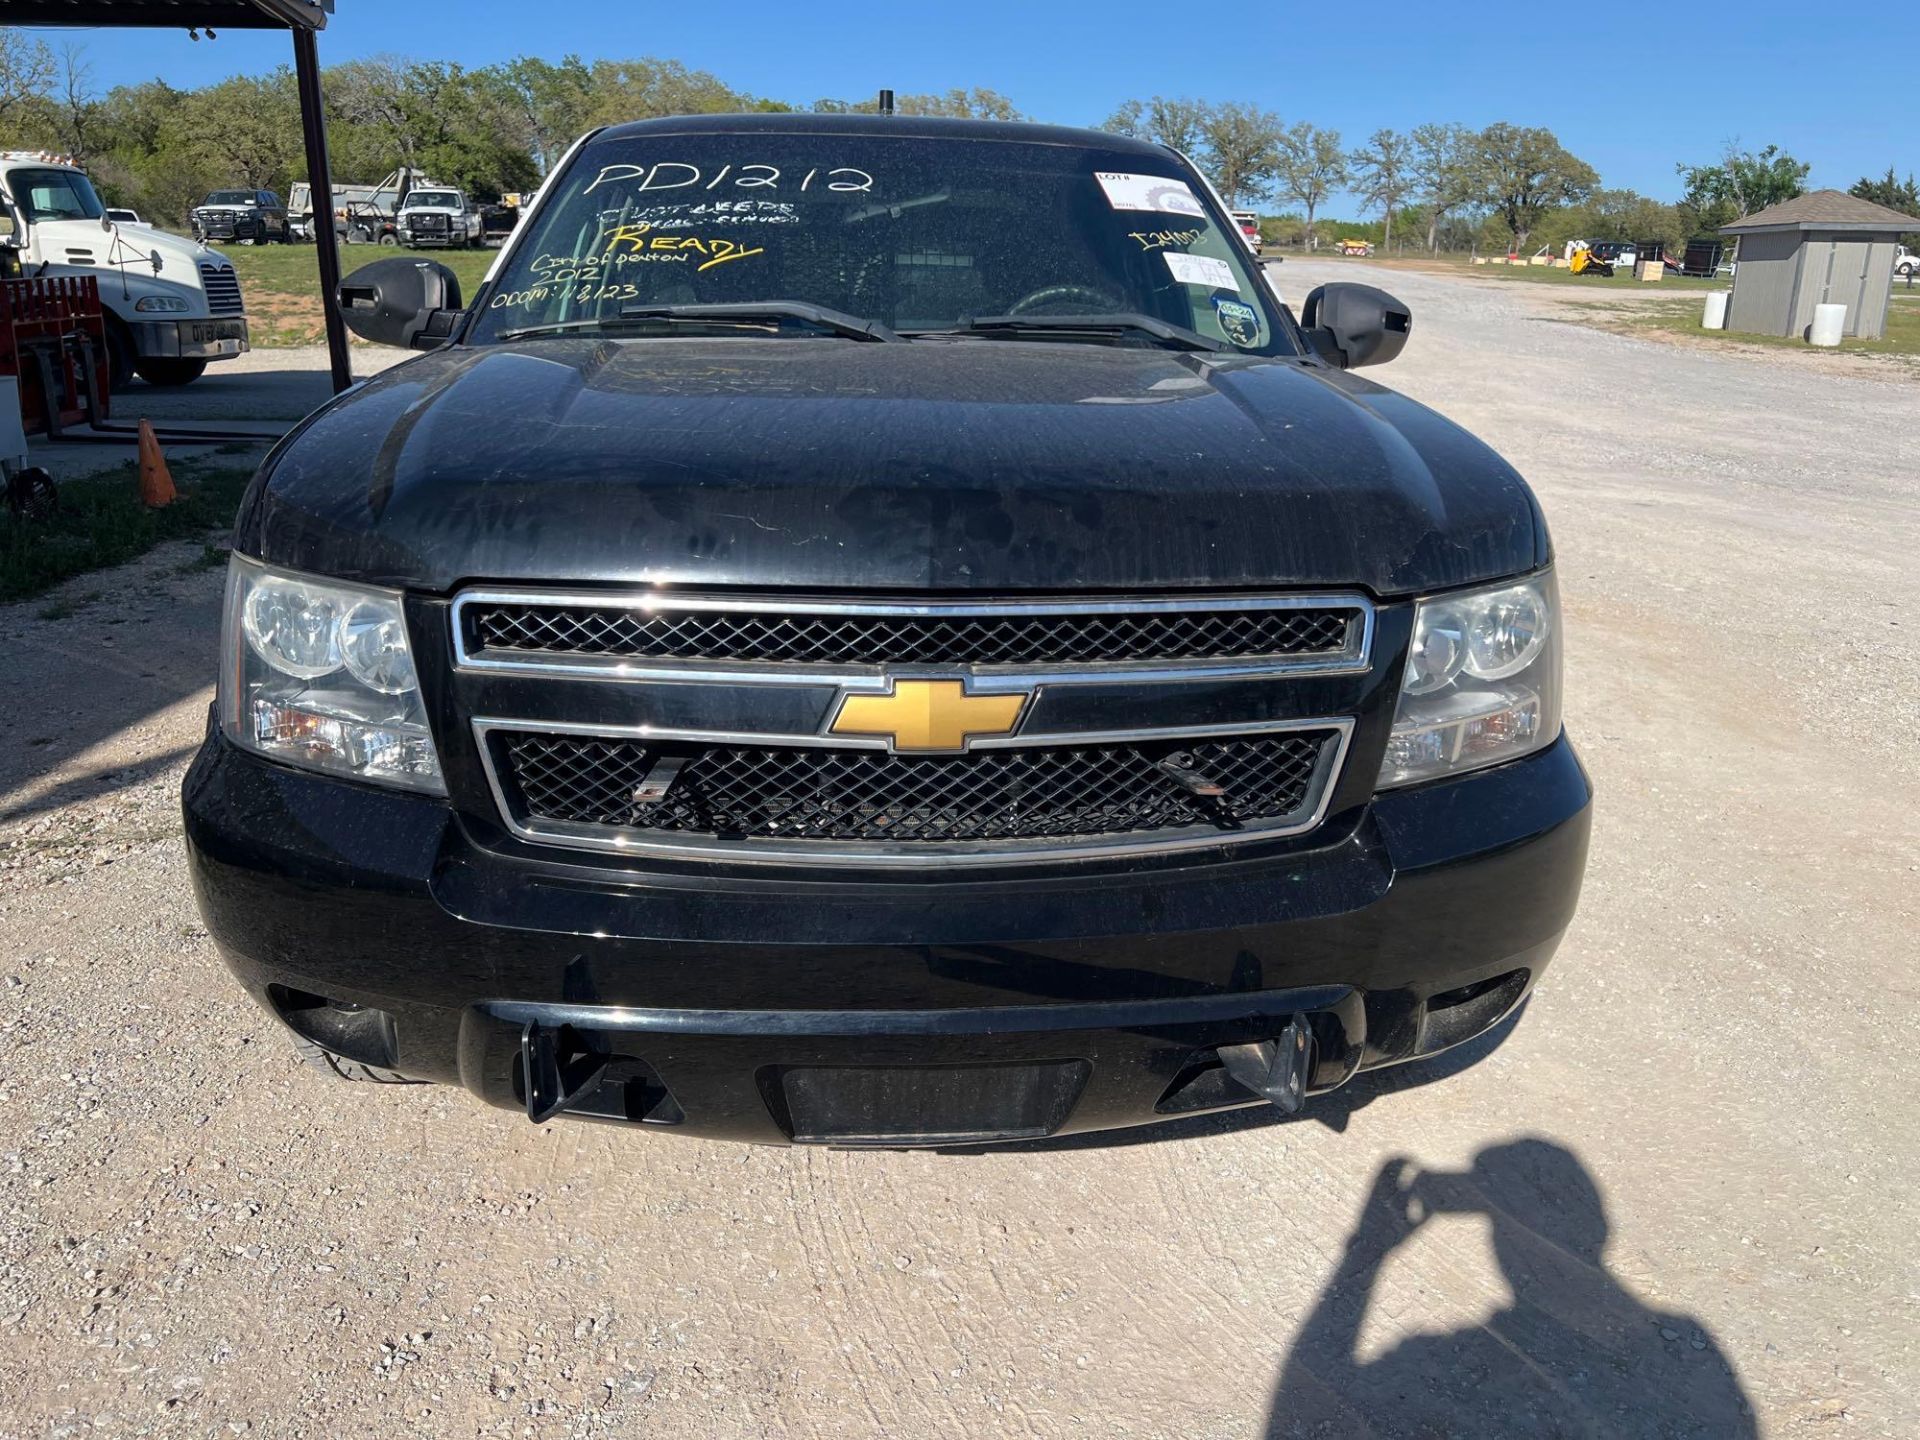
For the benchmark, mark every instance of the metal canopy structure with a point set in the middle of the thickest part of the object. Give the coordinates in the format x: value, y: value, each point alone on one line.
x: 302, y: 18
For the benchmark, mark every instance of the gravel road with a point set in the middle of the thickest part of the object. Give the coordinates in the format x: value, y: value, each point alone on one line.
x: 1679, y: 1199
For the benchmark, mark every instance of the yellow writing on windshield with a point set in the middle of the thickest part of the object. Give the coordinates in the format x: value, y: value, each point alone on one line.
x: 643, y: 237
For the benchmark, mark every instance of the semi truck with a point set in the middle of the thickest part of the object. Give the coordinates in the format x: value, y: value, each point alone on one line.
x: 171, y: 305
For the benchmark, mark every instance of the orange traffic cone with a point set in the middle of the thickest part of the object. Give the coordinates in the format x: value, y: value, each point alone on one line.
x: 156, y: 481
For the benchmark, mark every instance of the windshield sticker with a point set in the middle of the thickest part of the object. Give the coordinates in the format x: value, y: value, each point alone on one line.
x: 1239, y: 320
x: 1149, y: 192
x: 1201, y: 270
x: 676, y: 175
x: 1164, y: 239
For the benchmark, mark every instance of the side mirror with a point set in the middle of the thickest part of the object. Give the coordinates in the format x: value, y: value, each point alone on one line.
x: 6, y: 226
x: 413, y: 304
x: 1354, y: 325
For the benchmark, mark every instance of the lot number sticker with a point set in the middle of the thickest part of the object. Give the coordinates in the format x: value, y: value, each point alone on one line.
x: 1148, y: 192
x: 1201, y: 270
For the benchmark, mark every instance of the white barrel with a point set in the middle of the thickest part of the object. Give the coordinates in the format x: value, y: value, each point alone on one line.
x: 1715, y: 317
x: 1829, y: 324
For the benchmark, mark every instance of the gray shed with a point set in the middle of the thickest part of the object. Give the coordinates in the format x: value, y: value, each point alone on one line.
x: 1823, y: 248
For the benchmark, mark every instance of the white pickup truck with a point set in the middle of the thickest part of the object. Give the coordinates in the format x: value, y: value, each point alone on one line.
x: 1906, y: 264
x: 171, y: 305
x: 439, y: 217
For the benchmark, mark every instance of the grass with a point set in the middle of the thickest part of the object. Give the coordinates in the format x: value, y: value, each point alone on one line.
x: 101, y: 522
x: 281, y: 284
x: 1902, y: 337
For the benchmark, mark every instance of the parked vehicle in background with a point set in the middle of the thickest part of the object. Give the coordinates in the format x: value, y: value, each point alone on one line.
x: 444, y: 218
x: 498, y: 218
x: 361, y: 213
x: 1351, y: 246
x: 246, y: 217
x: 1249, y: 224
x: 809, y: 670
x: 171, y: 304
x: 1906, y: 264
x: 124, y: 217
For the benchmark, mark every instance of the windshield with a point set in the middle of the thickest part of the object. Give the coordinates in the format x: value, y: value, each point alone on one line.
x: 54, y: 195
x: 230, y: 197
x: 439, y: 199
x: 916, y: 233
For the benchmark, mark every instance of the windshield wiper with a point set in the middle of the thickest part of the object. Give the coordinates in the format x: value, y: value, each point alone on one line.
x: 762, y: 313
x: 1118, y: 323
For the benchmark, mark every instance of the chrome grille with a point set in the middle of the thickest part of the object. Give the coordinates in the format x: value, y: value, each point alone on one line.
x: 813, y: 795
x: 685, y: 629
x: 223, y: 289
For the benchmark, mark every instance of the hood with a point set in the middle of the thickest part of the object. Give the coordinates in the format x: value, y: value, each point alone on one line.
x: 84, y: 243
x: 959, y: 466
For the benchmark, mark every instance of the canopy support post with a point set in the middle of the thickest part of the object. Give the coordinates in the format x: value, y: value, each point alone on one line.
x: 313, y: 128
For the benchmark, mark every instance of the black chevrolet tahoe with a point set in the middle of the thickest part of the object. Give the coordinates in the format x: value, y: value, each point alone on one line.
x: 246, y: 216
x: 882, y: 631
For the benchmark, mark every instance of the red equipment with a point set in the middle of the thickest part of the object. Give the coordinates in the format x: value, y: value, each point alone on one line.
x: 54, y: 338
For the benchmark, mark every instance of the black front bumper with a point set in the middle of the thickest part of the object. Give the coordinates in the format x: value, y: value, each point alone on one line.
x: 767, y: 1006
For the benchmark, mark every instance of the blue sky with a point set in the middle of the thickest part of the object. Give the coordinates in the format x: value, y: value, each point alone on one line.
x: 1837, y: 87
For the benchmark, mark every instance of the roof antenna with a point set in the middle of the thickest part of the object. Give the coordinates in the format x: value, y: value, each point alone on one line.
x: 886, y: 102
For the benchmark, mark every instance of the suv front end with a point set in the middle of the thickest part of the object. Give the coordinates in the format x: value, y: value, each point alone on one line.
x: 1059, y: 741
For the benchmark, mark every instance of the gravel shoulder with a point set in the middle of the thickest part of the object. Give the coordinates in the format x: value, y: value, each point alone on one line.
x: 1679, y: 1199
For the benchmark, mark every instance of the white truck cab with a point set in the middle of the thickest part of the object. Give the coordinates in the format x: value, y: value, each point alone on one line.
x: 438, y: 216
x: 171, y: 305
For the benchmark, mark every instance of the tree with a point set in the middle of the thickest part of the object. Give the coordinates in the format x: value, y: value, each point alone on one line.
x: 1744, y: 182
x: 1523, y: 172
x: 548, y: 103
x: 249, y: 128
x: 1894, y: 194
x: 26, y: 77
x: 1382, y: 174
x: 1311, y: 166
x: 1442, y: 172
x: 1178, y: 123
x: 77, y: 110
x: 1241, y: 144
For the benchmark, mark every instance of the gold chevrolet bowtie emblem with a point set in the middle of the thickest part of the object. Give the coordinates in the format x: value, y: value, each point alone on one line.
x: 928, y: 715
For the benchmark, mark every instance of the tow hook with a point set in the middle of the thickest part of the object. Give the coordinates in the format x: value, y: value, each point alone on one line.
x: 1276, y: 1069
x: 558, y: 1067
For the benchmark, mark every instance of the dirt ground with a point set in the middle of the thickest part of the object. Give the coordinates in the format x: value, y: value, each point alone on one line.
x: 1679, y: 1199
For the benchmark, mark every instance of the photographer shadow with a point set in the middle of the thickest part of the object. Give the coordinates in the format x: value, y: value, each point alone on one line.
x: 1572, y: 1353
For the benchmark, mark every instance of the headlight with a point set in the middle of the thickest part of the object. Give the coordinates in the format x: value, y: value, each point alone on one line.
x: 319, y: 674
x: 162, y: 305
x: 1482, y: 683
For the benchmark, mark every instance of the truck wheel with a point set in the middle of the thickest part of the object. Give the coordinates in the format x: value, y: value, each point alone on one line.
x: 324, y: 1060
x: 119, y: 356
x: 387, y: 237
x: 158, y: 371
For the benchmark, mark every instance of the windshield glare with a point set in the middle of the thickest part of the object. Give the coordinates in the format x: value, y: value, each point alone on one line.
x: 55, y: 195
x: 917, y: 233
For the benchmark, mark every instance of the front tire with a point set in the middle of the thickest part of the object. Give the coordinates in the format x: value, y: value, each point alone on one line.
x: 120, y: 356
x: 387, y: 237
x: 169, y: 372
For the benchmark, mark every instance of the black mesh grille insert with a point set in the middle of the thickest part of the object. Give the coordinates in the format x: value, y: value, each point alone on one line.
x: 826, y: 794
x: 868, y: 639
